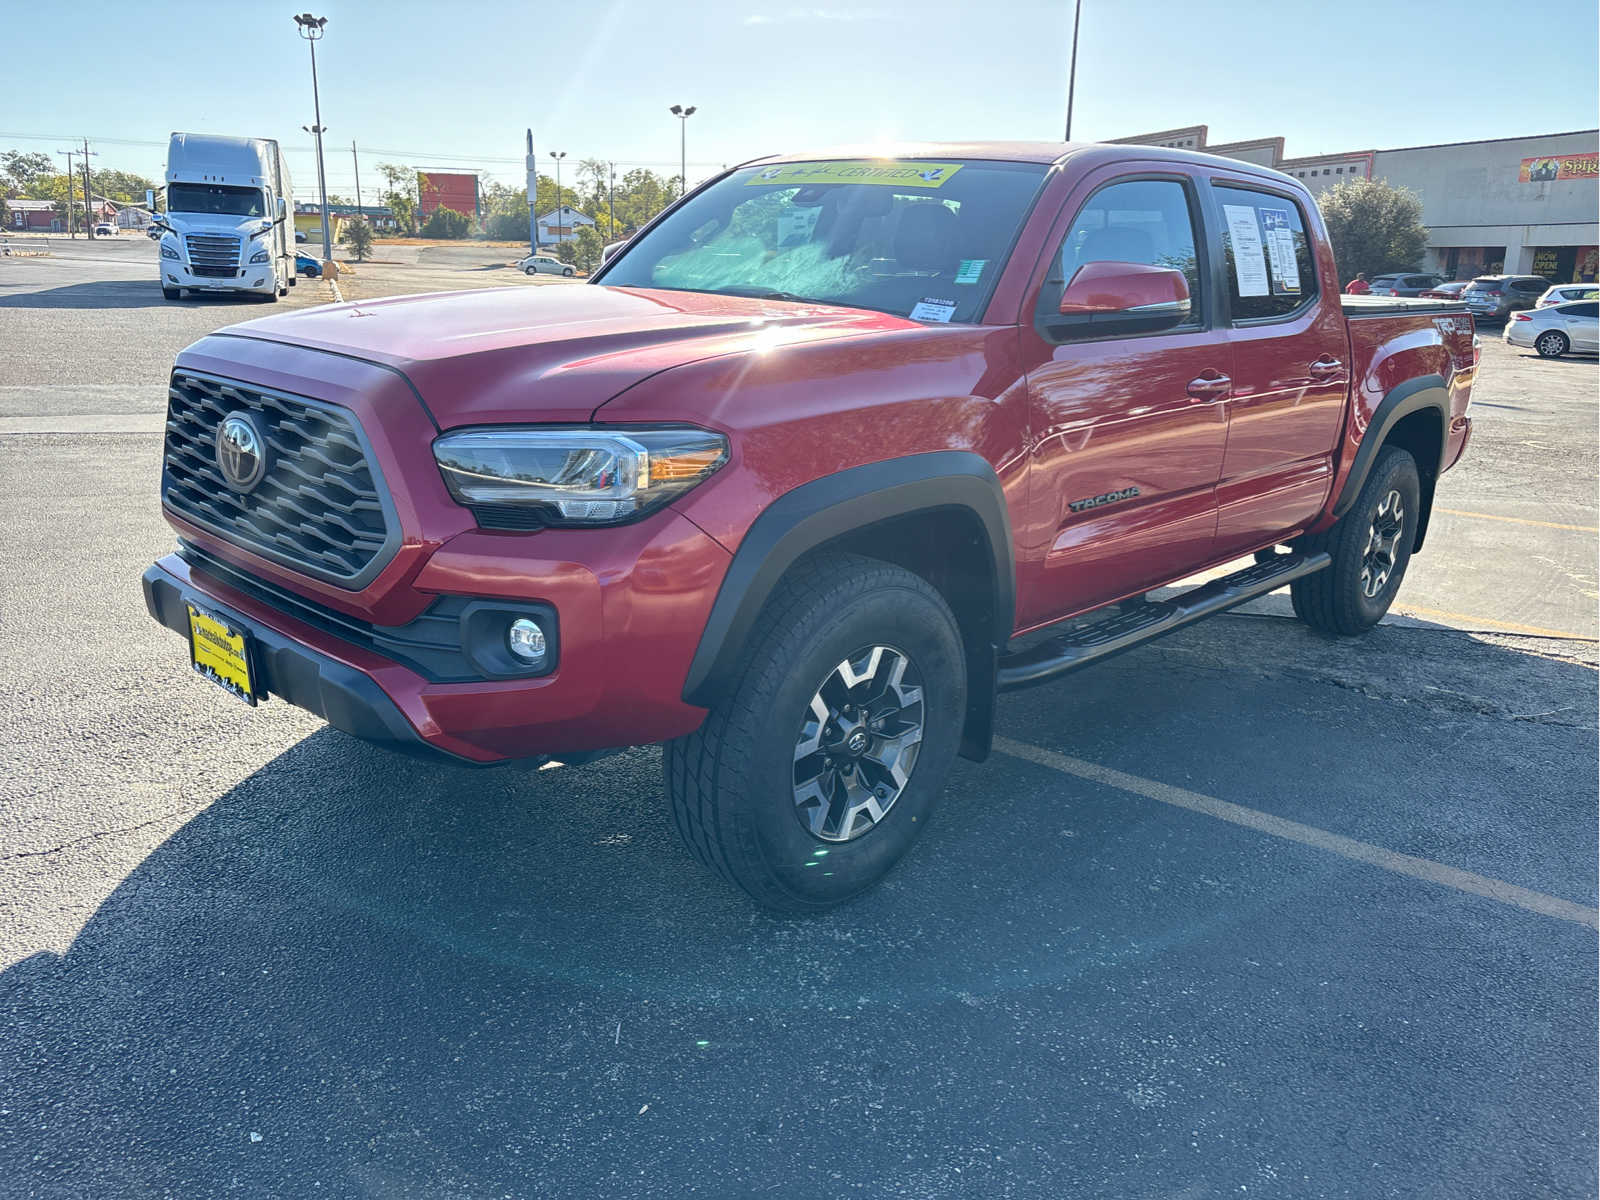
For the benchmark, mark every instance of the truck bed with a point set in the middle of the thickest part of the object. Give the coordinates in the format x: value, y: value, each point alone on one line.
x: 1388, y: 306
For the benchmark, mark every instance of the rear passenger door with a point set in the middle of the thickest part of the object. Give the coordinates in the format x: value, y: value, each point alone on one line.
x: 1127, y: 429
x: 1290, y: 377
x: 1579, y: 322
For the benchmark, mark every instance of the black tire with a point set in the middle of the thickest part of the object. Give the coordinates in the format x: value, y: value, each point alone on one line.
x: 172, y: 293
x: 1552, y: 343
x: 732, y: 784
x: 568, y: 272
x: 1336, y: 599
x: 530, y: 270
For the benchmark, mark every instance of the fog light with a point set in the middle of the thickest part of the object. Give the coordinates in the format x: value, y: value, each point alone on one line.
x: 526, y: 640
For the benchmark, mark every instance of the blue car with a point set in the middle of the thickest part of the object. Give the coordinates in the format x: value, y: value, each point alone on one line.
x: 305, y: 265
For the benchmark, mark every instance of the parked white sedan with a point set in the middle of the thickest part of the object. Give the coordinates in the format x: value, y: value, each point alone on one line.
x: 544, y: 264
x: 1557, y: 329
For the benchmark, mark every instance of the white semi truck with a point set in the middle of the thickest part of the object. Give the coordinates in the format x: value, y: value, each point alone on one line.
x: 228, y: 225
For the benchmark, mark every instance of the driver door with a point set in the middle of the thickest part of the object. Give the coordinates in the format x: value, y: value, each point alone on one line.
x: 1128, y: 428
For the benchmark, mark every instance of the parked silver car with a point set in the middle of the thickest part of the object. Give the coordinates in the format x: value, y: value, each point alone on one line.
x: 544, y: 264
x: 1563, y: 292
x: 1557, y: 329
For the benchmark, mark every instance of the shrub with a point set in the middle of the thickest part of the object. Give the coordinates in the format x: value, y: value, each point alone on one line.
x: 358, y: 237
x: 446, y: 223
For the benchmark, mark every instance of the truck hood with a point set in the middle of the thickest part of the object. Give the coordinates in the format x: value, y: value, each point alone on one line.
x: 245, y: 227
x: 552, y: 353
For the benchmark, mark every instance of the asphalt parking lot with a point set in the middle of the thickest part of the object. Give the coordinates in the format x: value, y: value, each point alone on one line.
x: 1244, y: 912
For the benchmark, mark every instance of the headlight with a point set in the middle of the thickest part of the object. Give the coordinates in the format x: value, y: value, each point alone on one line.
x: 528, y: 477
x: 261, y: 256
x: 168, y: 250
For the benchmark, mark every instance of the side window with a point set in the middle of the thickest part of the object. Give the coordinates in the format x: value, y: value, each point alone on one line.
x: 1267, y: 255
x: 1584, y: 308
x: 1144, y: 221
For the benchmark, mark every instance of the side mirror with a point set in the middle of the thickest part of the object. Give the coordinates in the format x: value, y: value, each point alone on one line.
x: 283, y: 208
x: 608, y: 250
x: 1118, y: 297
x: 150, y: 199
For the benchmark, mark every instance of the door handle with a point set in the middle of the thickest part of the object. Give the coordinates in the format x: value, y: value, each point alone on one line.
x: 1211, y: 387
x: 1325, y: 368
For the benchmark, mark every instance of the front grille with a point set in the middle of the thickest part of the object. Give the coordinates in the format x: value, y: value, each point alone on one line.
x: 320, y: 507
x: 213, y: 254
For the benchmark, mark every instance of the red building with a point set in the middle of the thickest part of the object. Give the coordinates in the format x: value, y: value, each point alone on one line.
x: 444, y: 189
x: 34, y: 215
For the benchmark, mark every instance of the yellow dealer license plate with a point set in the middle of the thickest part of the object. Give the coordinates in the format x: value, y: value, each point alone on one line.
x: 221, y: 653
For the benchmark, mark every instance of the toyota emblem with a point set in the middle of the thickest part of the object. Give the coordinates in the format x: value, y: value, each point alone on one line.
x: 241, y: 451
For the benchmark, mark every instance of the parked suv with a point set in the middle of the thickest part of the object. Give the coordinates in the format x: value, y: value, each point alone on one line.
x: 828, y: 455
x: 1496, y: 297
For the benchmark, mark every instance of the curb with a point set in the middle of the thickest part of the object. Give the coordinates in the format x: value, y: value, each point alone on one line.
x: 338, y: 296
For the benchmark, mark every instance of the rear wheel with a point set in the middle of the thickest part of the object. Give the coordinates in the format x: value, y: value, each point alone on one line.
x: 812, y: 778
x: 568, y: 272
x: 1551, y: 344
x: 1371, y: 547
x: 530, y: 271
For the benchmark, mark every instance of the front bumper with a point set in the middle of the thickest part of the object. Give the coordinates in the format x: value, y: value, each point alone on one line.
x: 258, y: 277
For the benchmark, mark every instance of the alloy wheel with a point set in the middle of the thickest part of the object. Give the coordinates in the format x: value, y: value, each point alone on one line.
x: 858, y: 744
x: 1549, y: 344
x: 1382, y: 551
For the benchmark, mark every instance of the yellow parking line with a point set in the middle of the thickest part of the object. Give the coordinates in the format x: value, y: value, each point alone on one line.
x: 1456, y: 512
x: 1308, y: 835
x: 1413, y: 610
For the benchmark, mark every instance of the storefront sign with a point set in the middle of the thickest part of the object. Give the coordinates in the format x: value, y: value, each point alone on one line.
x: 1562, y: 167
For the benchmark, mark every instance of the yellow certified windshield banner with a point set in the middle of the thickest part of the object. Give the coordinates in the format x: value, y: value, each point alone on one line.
x: 893, y: 174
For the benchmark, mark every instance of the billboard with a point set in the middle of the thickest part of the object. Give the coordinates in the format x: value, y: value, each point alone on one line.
x: 445, y: 189
x: 1559, y: 167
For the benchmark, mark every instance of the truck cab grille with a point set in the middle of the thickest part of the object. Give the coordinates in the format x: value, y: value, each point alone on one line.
x: 213, y: 254
x: 319, y: 506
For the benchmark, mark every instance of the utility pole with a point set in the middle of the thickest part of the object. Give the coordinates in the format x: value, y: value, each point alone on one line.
x: 357, y: 162
x: 612, y: 231
x: 72, y: 227
x: 1072, y: 71
x: 532, y: 165
x: 311, y: 29
x: 88, y: 195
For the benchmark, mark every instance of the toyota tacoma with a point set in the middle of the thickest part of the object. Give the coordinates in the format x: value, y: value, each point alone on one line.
x: 829, y: 454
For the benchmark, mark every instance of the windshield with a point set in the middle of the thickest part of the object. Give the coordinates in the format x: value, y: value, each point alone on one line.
x: 915, y: 238
x: 214, y: 199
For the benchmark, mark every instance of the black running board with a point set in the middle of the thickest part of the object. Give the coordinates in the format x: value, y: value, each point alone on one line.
x: 1148, y: 621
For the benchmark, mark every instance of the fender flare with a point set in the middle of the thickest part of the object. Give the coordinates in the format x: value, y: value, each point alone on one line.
x: 818, y: 512
x: 1414, y: 395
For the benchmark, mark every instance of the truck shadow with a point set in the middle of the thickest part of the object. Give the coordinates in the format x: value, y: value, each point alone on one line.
x: 393, y: 972
x: 120, y: 293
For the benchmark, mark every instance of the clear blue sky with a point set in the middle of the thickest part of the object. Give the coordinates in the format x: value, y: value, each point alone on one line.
x: 459, y: 81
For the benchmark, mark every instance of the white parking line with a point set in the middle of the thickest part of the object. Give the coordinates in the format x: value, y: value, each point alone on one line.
x: 1308, y: 835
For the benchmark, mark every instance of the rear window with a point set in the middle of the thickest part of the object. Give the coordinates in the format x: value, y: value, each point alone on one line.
x: 1267, y: 255
x: 1485, y: 285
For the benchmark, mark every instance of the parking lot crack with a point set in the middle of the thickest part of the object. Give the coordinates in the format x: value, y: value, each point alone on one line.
x: 184, y: 811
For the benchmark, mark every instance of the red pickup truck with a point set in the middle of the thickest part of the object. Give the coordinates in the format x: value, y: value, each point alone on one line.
x: 830, y: 453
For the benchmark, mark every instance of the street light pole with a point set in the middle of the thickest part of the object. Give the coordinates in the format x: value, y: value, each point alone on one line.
x: 1072, y: 71
x: 683, y: 114
x: 532, y: 165
x: 311, y: 29
x: 72, y: 228
x: 558, y: 155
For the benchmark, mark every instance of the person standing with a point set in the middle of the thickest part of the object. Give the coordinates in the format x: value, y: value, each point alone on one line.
x: 1358, y: 286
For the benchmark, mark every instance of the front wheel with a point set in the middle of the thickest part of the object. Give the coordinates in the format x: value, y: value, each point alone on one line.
x: 530, y: 270
x: 812, y: 777
x: 1552, y: 344
x: 1371, y: 547
x: 172, y: 293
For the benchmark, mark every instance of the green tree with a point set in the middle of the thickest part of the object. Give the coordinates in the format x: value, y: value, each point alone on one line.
x: 19, y: 169
x: 358, y: 237
x: 586, y: 250
x: 122, y: 186
x: 1374, y: 227
x: 447, y: 223
x: 400, y: 194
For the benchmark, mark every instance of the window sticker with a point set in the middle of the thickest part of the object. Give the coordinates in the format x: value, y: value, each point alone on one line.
x: 1249, y: 267
x: 970, y: 269
x: 893, y: 174
x: 932, y: 308
x: 1280, y: 249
